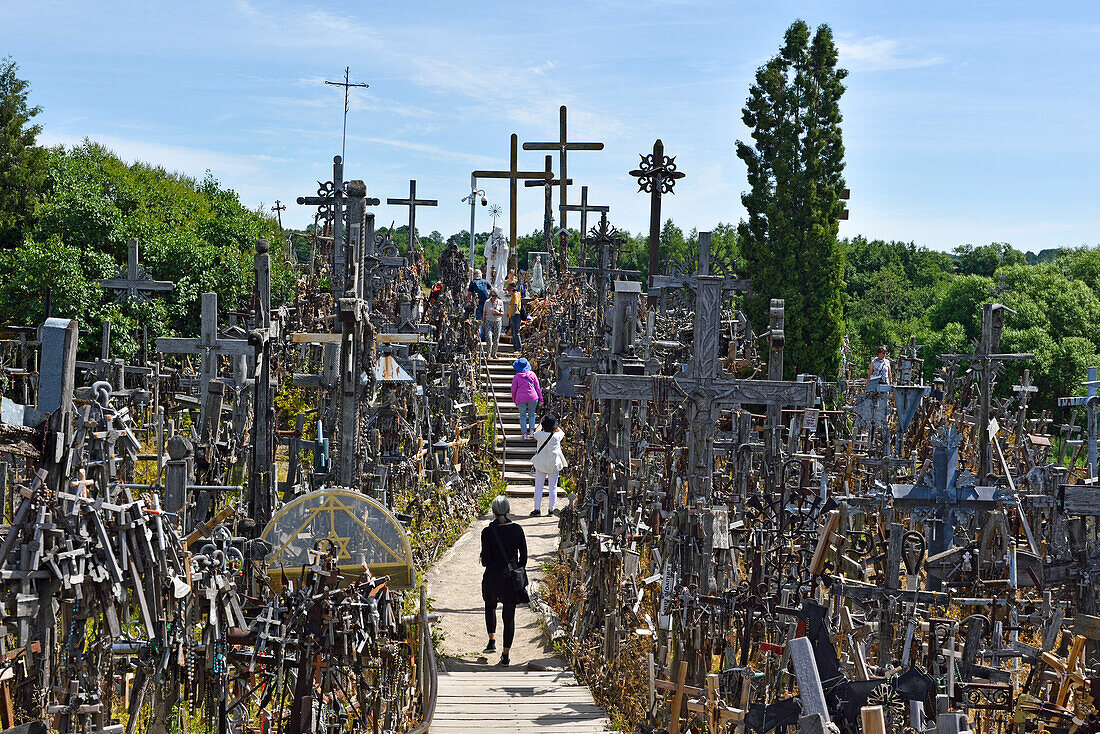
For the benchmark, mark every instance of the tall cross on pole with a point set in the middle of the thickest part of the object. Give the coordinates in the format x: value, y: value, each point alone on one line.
x: 279, y: 208
x: 563, y: 146
x: 547, y: 214
x: 513, y: 174
x: 412, y: 202
x: 657, y: 176
x: 347, y: 85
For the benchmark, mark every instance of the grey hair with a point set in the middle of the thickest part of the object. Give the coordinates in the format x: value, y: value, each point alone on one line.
x: 501, y: 506
x: 478, y: 275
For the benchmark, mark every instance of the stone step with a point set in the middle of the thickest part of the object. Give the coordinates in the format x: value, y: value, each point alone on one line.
x: 527, y: 491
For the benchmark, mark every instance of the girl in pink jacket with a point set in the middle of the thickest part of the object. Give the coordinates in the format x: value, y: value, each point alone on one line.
x: 527, y: 394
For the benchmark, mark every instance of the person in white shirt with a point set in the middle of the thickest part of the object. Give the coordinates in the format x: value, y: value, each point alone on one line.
x: 548, y: 462
x: 880, y: 367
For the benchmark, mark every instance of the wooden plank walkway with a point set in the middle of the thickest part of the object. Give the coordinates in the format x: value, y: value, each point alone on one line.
x: 506, y: 700
x: 535, y: 693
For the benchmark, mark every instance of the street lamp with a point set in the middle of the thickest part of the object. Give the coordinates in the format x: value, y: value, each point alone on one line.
x: 475, y: 193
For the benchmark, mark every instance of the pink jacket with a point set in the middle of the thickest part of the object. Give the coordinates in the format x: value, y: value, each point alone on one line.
x: 525, y: 387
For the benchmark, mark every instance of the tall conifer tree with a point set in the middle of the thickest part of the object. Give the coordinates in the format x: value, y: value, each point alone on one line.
x: 795, y: 174
x: 22, y: 163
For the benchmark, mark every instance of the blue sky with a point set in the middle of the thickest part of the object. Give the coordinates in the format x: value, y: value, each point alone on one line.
x: 964, y: 122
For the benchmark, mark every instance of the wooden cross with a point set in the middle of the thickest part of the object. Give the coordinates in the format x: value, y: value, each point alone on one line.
x: 208, y: 345
x: 513, y: 174
x: 548, y: 205
x: 132, y: 282
x: 1089, y: 402
x: 983, y: 362
x: 584, y: 207
x: 412, y: 202
x: 656, y: 176
x: 563, y: 146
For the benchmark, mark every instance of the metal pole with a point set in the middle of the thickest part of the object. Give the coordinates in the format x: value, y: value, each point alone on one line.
x: 473, y: 209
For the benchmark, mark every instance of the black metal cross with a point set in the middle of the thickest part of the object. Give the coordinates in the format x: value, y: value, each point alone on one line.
x: 657, y: 176
x: 412, y: 202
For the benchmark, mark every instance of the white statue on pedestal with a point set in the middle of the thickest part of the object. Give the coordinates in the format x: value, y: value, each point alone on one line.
x: 496, y: 259
x: 537, y: 281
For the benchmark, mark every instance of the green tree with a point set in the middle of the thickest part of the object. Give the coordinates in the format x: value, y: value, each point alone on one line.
x: 795, y: 174
x: 22, y: 163
x: 985, y: 259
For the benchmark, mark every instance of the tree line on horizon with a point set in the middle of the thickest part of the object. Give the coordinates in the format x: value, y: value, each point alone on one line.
x: 66, y: 215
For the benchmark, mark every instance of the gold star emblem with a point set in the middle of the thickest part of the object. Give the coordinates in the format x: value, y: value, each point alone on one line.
x: 341, y: 543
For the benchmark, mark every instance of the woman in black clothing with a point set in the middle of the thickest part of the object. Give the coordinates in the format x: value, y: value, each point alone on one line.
x: 501, y: 541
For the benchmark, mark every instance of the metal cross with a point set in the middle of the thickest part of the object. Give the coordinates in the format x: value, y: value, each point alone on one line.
x: 513, y: 174
x: 657, y: 176
x: 412, y: 202
x: 563, y: 146
x: 132, y: 281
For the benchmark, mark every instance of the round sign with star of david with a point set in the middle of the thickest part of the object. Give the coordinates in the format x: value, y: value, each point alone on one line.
x: 361, y: 531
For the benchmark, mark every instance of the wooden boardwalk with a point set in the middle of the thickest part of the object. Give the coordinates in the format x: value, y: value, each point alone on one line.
x: 534, y: 693
x: 506, y: 700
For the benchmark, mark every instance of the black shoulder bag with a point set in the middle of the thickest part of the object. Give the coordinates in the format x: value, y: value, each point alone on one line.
x: 515, y: 574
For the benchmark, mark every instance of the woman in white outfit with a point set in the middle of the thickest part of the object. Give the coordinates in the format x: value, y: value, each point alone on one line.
x: 548, y: 462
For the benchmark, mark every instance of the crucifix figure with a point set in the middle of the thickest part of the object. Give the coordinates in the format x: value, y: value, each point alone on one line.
x: 412, y: 202
x: 548, y: 207
x: 563, y: 146
x: 513, y: 174
x: 208, y: 345
x: 584, y: 207
x: 131, y: 281
x: 657, y: 176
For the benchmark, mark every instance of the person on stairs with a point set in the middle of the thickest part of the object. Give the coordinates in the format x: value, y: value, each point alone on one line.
x: 548, y: 462
x: 527, y: 395
x: 515, y: 314
x: 502, y: 542
x: 492, y: 320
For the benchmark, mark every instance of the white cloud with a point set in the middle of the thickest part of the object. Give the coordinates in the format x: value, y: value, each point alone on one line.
x: 875, y: 53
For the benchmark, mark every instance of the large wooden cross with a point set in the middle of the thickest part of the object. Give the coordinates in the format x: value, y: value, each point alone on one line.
x: 584, y: 207
x: 700, y: 383
x: 208, y: 345
x: 563, y: 146
x: 548, y: 202
x: 656, y: 176
x: 513, y: 174
x: 131, y: 281
x: 984, y: 362
x: 412, y: 202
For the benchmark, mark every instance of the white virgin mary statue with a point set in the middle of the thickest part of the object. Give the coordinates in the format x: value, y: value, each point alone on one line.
x: 496, y: 259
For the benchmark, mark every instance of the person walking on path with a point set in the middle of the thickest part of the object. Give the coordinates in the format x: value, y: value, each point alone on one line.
x: 548, y: 462
x: 515, y: 307
x: 492, y: 321
x: 527, y: 395
x: 479, y: 289
x: 502, y: 542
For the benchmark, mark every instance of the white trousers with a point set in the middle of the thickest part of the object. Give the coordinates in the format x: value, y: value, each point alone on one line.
x: 552, y: 497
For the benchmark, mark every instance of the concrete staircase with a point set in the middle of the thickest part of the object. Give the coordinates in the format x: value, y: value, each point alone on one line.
x: 516, y: 462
